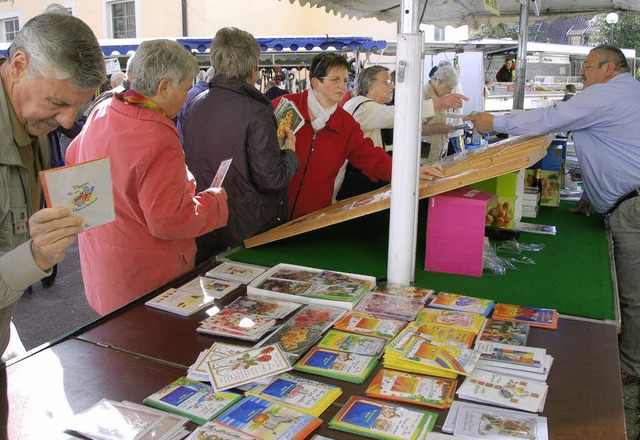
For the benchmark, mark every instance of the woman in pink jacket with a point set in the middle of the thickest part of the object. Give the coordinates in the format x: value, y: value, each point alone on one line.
x: 158, y: 213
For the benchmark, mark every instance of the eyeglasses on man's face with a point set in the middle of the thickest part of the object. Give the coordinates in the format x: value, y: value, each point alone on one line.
x: 584, y: 65
x: 387, y: 81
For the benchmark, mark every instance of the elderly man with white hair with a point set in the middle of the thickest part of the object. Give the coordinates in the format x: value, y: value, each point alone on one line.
x: 54, y: 66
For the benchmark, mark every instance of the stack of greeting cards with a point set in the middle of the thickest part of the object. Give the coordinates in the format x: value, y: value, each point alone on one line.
x: 515, y: 360
x: 237, y: 272
x: 267, y: 420
x: 413, y: 388
x: 303, y: 329
x: 395, y: 301
x: 373, y: 418
x: 193, y: 296
x: 307, y: 285
x: 454, y: 301
x: 247, y: 367
x: 109, y: 420
x: 192, y: 399
x: 534, y: 316
x: 470, y: 420
x: 234, y: 324
x: 302, y: 394
x: 507, y: 391
x: 505, y: 332
x: 199, y: 371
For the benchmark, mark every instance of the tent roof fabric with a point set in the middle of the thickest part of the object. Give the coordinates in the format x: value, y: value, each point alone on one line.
x: 471, y: 12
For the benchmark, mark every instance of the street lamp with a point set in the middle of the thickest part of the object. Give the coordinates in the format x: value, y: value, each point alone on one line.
x: 612, y: 19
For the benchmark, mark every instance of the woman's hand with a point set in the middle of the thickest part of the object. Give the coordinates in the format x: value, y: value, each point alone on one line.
x: 430, y: 172
x: 290, y: 142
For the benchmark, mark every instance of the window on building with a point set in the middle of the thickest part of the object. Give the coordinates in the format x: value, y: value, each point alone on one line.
x: 575, y: 40
x: 123, y: 19
x: 10, y: 28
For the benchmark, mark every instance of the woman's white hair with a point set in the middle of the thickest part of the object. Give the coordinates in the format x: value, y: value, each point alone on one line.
x: 156, y: 60
x: 446, y: 75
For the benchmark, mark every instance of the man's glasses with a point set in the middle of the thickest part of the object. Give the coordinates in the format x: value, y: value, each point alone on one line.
x: 586, y: 65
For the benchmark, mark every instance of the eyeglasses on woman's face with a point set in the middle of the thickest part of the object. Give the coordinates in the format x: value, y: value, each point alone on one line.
x: 387, y: 81
x: 335, y: 79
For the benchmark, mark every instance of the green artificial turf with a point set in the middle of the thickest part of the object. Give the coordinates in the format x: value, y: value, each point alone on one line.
x: 571, y: 274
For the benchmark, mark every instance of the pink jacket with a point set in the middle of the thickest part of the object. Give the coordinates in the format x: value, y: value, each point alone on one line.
x: 158, y: 214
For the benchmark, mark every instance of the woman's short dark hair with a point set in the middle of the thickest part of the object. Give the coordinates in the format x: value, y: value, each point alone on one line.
x: 324, y: 62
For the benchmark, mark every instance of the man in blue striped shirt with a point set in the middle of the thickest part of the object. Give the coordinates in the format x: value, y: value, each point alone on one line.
x: 605, y: 120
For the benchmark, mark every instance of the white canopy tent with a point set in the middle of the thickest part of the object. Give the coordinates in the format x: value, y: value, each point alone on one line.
x: 408, y: 98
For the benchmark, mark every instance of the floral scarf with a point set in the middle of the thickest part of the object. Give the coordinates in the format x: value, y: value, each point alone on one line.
x: 135, y: 98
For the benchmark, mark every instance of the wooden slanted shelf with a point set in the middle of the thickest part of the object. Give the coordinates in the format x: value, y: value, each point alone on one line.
x: 461, y: 169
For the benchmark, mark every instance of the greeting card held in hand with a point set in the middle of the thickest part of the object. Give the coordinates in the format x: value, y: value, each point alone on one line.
x: 221, y: 173
x: 84, y: 188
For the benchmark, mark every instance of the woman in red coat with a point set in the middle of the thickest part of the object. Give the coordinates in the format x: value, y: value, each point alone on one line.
x: 329, y: 137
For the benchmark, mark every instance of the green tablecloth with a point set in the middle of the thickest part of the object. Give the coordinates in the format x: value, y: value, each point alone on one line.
x: 572, y: 273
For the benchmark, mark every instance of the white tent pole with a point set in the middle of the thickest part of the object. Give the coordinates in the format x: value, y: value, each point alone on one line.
x: 406, y: 147
x: 521, y: 64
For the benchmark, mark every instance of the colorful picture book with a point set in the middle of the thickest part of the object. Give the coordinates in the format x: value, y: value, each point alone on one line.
x: 436, y: 334
x: 468, y: 321
x: 464, y: 303
x: 246, y: 367
x: 411, y: 292
x: 368, y: 324
x: 353, y: 343
x: 300, y: 393
x: 382, y: 420
x: 437, y: 392
x: 470, y: 420
x: 191, y: 399
x: 419, y: 352
x: 397, y: 307
x: 199, y: 371
x: 507, y: 391
x: 268, y: 420
x: 505, y: 332
x: 237, y: 272
x: 341, y: 365
x: 268, y: 307
x: 302, y: 330
x: 217, y: 431
x: 534, y: 316
x: 85, y: 188
x: 287, y: 116
x: 307, y: 285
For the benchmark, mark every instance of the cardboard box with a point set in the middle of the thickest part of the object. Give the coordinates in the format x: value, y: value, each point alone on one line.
x: 455, y: 231
x: 506, y: 211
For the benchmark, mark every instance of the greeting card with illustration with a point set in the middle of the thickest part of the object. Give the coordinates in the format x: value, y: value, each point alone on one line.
x: 238, y: 369
x: 84, y: 188
x: 221, y: 173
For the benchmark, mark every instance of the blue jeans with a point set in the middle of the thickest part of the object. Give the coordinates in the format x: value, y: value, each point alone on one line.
x: 624, y: 223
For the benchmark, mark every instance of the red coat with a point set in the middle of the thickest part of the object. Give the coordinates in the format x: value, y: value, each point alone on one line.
x: 341, y: 139
x: 158, y: 213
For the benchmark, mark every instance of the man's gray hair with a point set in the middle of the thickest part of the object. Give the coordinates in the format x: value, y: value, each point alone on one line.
x: 366, y: 78
x: 61, y: 47
x: 446, y: 75
x: 611, y: 53
x: 156, y: 60
x: 234, y: 54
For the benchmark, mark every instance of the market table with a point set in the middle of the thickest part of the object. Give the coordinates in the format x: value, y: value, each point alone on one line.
x: 585, y: 393
x: 572, y: 274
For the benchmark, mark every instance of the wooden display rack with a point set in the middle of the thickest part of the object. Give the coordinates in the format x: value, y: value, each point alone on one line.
x: 461, y: 169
